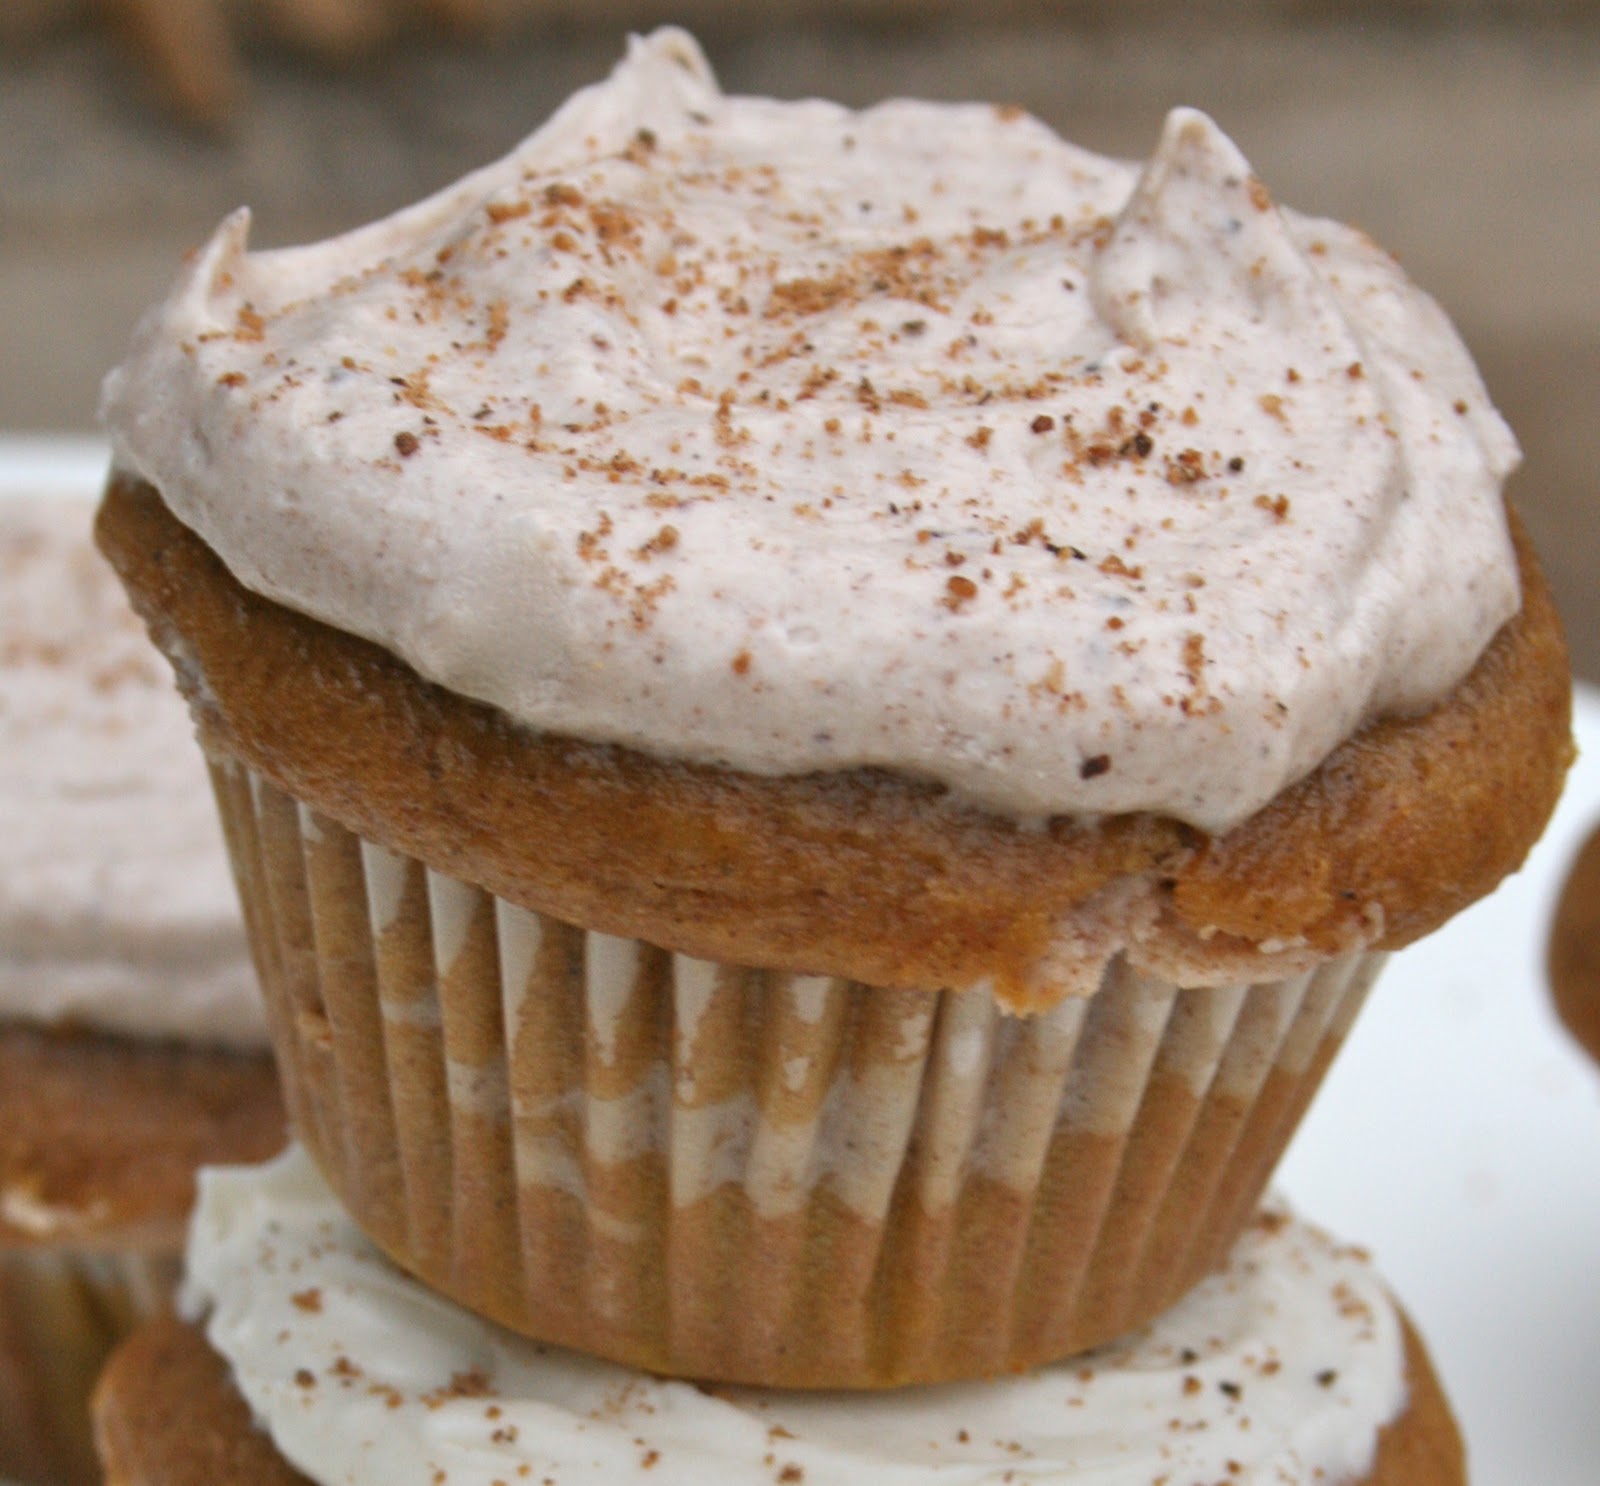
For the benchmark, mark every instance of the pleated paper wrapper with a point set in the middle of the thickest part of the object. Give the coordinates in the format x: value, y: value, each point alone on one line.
x: 62, y: 1311
x: 732, y: 1174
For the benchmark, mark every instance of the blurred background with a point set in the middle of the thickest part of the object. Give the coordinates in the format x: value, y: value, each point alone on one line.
x: 1463, y: 134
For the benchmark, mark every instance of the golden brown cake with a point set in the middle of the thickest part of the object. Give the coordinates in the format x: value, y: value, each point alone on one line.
x: 860, y: 875
x: 798, y: 769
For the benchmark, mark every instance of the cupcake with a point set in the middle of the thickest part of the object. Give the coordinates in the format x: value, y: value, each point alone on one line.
x: 132, y: 1046
x: 1290, y: 1365
x: 824, y: 717
x: 1574, y: 952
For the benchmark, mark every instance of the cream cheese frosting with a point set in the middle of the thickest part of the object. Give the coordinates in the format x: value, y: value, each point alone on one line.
x: 117, y: 907
x: 788, y: 438
x: 1281, y: 1369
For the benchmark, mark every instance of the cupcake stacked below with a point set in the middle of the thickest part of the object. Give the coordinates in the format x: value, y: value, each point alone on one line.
x: 1289, y: 1366
x: 823, y: 720
x: 132, y: 1047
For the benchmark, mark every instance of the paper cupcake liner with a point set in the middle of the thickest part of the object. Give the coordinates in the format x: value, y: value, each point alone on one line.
x: 736, y: 1174
x: 62, y: 1311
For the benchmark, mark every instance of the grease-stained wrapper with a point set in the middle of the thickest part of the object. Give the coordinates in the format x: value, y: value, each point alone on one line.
x: 736, y: 1174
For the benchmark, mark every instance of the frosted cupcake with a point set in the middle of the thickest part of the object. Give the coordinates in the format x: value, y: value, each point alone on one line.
x: 1574, y: 950
x: 132, y: 1046
x: 318, y: 1361
x: 826, y: 716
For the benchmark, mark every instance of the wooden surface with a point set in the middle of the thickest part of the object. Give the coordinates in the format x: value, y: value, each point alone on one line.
x: 1466, y: 137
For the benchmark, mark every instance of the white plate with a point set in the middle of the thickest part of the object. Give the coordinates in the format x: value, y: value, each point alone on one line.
x: 38, y: 464
x: 1458, y: 1136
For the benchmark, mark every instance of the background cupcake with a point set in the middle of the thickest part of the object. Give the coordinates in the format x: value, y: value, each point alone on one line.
x: 132, y: 1048
x: 1574, y: 951
x: 490, y: 616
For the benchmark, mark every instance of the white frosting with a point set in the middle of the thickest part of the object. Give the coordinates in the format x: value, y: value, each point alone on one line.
x: 117, y: 908
x: 785, y: 437
x: 1279, y: 1371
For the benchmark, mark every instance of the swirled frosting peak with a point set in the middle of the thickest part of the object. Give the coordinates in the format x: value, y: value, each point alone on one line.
x: 1278, y: 1371
x: 785, y: 437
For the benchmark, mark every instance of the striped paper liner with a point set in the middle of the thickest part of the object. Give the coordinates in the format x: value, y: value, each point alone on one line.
x: 736, y: 1174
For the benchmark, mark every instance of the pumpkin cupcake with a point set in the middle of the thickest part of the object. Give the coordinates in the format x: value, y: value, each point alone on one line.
x: 132, y: 1045
x: 316, y: 1361
x: 824, y: 717
x: 1574, y: 951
